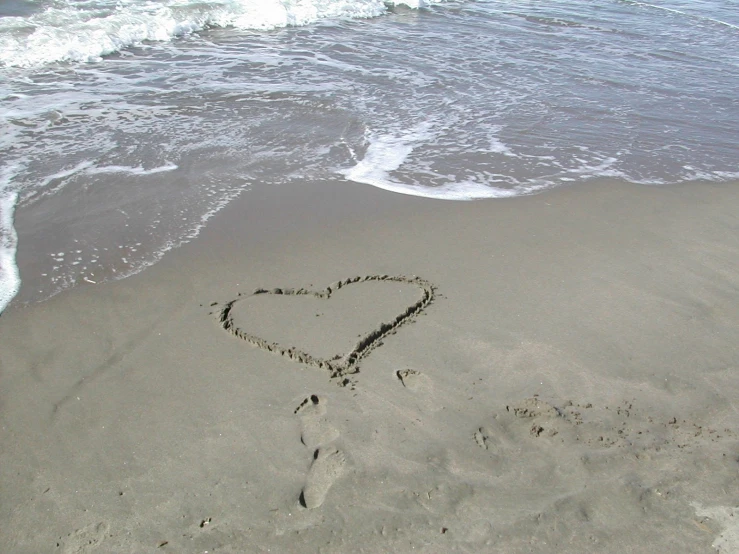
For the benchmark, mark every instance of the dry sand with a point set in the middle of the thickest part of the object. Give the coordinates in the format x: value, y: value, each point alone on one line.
x: 569, y: 385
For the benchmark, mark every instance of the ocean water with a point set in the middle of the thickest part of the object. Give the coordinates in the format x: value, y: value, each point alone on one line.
x: 125, y: 125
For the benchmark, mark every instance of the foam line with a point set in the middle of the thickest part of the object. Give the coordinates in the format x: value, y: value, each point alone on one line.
x: 453, y: 191
x: 10, y: 280
x: 131, y: 170
x: 82, y: 166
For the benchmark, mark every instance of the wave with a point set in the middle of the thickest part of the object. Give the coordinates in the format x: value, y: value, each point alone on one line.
x: 66, y: 32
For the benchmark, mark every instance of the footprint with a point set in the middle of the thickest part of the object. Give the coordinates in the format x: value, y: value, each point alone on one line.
x: 86, y: 539
x: 315, y: 428
x: 481, y: 438
x: 328, y: 465
x: 411, y: 379
x: 421, y: 389
x: 307, y: 402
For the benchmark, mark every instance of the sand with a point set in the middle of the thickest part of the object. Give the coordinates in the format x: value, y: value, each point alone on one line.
x: 555, y: 373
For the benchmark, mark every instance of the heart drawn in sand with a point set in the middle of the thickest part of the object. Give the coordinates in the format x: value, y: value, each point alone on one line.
x: 340, y: 365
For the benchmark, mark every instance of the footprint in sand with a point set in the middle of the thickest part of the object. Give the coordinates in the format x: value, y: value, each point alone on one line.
x: 409, y: 377
x: 86, y: 539
x: 328, y: 465
x: 413, y: 380
x: 315, y: 428
x: 421, y: 388
x: 328, y: 462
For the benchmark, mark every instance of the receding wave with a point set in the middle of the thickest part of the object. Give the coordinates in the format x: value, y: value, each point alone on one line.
x: 67, y: 33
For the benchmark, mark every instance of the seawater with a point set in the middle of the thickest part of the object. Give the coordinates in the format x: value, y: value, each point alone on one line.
x: 126, y: 124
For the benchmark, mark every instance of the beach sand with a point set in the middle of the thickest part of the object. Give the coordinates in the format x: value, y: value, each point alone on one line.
x: 554, y: 373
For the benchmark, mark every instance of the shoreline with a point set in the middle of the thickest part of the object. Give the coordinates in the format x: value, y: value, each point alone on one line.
x: 33, y: 240
x: 572, y: 386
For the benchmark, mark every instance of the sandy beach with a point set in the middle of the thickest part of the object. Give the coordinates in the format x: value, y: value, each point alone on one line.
x: 551, y: 373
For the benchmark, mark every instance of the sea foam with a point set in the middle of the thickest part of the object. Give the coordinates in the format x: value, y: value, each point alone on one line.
x: 10, y: 281
x: 387, y: 153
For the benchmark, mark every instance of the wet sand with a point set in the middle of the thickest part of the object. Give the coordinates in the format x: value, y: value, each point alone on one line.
x: 568, y: 384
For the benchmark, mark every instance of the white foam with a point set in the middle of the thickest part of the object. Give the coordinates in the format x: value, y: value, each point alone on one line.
x: 72, y: 33
x: 387, y: 153
x: 10, y: 281
x: 604, y: 168
x: 65, y: 173
x: 138, y: 170
x: 727, y: 175
x: 496, y: 145
x: 465, y: 190
x: 693, y: 174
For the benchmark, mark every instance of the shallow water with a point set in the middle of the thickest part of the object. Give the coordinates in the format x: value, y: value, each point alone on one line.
x: 127, y: 125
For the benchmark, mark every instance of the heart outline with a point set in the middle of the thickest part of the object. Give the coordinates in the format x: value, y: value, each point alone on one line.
x: 338, y: 366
